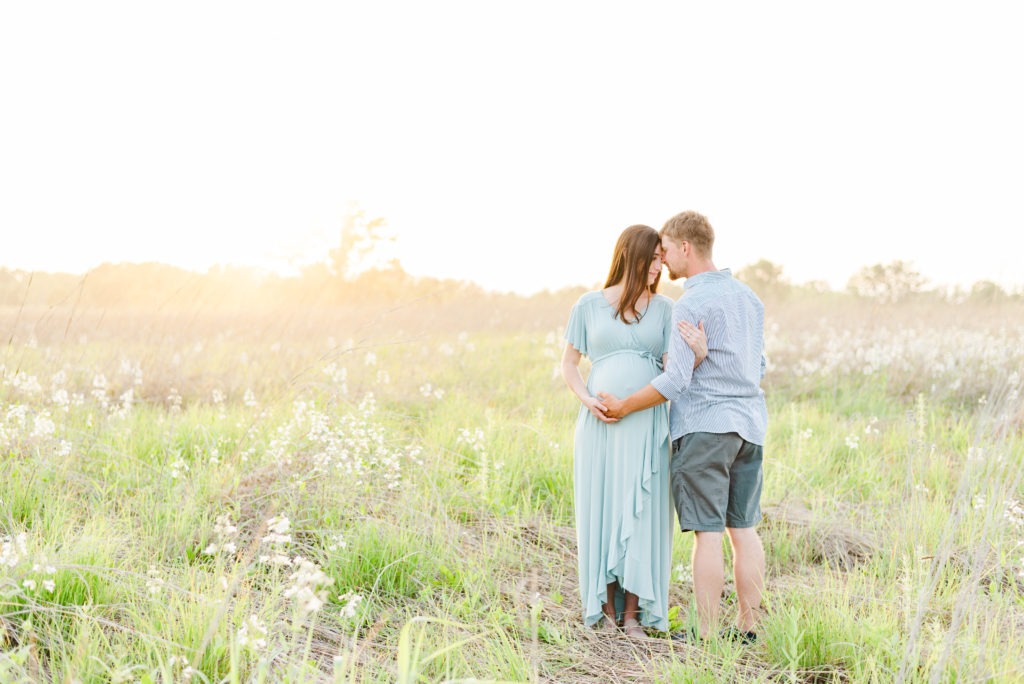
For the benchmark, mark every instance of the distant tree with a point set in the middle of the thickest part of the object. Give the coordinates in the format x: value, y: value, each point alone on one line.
x: 361, y: 237
x: 762, y: 276
x: 817, y: 286
x: 987, y: 291
x: 382, y: 284
x: 889, y: 283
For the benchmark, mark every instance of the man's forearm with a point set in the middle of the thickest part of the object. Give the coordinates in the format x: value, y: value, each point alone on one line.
x: 642, y: 399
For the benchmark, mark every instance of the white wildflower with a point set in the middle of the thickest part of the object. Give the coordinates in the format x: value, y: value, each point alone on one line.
x: 225, y: 532
x: 308, y: 588
x: 28, y: 384
x: 339, y: 543
x: 277, y: 531
x: 61, y: 398
x: 127, y: 399
x: 428, y: 391
x: 368, y: 404
x: 275, y: 559
x: 223, y: 526
x: 252, y: 635
x: 1014, y: 513
x: 132, y: 370
x: 99, y: 389
x: 472, y: 438
x: 338, y: 375
x: 277, y: 536
x: 154, y: 583
x: 13, y: 549
x: 351, y: 604
x: 42, y: 426
x: 174, y: 399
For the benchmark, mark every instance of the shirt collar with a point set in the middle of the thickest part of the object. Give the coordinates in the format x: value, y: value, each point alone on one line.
x: 708, y: 276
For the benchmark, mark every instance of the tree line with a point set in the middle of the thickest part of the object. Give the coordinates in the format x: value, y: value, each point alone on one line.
x: 358, y: 270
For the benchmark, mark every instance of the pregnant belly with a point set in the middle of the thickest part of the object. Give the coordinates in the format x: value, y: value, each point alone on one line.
x: 622, y: 375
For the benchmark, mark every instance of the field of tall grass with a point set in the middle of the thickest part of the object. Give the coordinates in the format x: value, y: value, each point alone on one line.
x: 381, y: 493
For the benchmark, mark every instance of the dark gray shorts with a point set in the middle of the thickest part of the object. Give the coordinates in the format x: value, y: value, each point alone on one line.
x: 716, y: 481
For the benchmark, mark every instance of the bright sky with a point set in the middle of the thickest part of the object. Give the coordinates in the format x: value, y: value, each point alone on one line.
x: 510, y: 143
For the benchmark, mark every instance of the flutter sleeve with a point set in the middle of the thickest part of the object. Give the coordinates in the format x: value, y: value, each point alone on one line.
x: 576, y: 330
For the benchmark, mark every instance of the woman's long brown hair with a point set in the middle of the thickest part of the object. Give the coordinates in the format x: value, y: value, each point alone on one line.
x: 633, y: 253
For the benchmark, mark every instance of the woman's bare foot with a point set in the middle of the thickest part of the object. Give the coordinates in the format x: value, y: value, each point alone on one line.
x: 606, y: 624
x: 632, y: 628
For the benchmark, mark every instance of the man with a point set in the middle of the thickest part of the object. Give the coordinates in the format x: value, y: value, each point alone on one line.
x: 718, y: 419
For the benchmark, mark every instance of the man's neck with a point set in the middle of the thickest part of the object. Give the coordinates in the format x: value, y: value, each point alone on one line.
x: 702, y: 267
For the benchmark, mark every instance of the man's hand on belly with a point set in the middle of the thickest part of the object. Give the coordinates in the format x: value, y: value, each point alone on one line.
x: 637, y: 401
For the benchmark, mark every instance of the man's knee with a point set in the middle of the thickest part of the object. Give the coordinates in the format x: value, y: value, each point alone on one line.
x: 704, y: 538
x: 743, y: 538
x: 744, y: 532
x: 707, y: 547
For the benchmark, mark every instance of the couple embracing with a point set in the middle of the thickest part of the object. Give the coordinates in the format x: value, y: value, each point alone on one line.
x: 672, y: 415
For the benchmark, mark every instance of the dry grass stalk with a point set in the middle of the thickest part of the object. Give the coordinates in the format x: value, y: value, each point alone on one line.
x: 836, y: 543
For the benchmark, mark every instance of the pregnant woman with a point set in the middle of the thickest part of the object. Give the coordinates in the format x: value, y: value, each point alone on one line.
x: 621, y: 468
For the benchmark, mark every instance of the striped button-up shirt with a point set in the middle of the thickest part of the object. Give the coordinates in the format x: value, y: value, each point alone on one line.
x: 723, y: 394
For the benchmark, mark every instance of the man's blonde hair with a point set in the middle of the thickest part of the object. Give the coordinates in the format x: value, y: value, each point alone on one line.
x: 693, y: 228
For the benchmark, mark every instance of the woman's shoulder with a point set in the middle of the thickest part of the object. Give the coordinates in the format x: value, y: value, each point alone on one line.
x: 592, y: 297
x: 661, y: 307
x: 662, y: 301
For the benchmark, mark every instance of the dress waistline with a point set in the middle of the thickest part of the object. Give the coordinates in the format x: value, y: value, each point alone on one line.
x: 644, y: 353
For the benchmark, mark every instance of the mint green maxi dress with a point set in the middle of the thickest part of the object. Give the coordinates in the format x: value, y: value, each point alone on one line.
x: 621, y: 470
